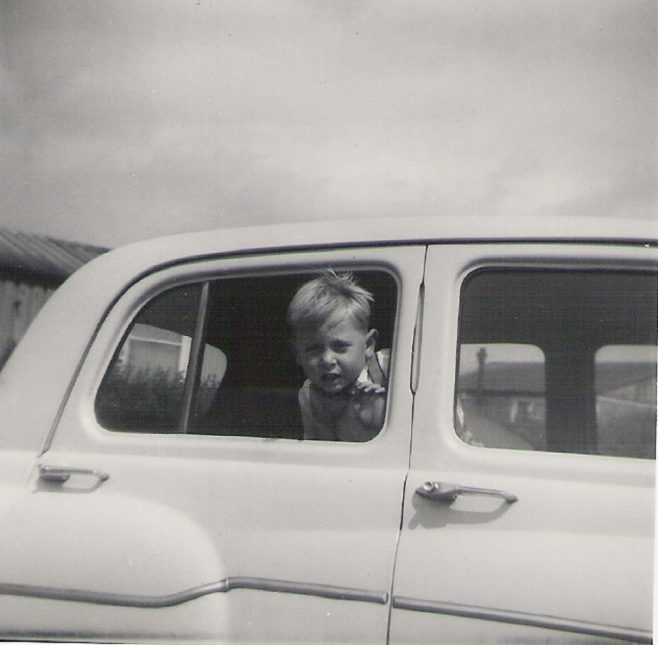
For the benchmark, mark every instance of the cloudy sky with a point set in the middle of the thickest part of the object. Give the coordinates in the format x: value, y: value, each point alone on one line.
x: 122, y: 120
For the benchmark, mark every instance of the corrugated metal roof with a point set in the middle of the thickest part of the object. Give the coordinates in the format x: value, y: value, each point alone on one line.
x: 43, y: 256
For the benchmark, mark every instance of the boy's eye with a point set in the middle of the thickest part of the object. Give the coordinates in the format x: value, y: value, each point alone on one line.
x: 341, y: 346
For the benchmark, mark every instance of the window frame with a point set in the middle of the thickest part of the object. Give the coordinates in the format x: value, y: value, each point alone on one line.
x: 204, y: 273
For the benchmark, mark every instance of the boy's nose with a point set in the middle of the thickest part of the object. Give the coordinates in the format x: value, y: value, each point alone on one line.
x: 328, y: 357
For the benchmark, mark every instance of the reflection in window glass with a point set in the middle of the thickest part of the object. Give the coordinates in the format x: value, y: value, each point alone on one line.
x: 626, y: 400
x: 501, y: 392
x: 151, y: 349
x: 145, y: 383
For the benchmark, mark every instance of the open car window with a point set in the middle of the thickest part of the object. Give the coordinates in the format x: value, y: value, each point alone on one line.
x: 215, y: 358
x: 559, y: 361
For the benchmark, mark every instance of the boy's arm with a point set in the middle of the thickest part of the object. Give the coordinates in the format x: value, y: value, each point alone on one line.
x: 369, y: 398
x: 313, y: 428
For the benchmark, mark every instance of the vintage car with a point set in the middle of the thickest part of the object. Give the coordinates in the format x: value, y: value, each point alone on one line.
x: 155, y: 485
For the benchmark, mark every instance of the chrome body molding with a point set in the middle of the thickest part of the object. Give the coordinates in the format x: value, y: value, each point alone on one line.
x: 178, y: 598
x: 523, y: 618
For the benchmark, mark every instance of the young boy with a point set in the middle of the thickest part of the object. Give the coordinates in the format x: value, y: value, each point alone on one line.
x: 344, y: 395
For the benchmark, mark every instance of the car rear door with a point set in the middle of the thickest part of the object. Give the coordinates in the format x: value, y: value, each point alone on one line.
x: 133, y: 529
x: 529, y: 506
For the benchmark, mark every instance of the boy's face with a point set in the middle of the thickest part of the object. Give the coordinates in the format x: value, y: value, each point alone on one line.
x: 334, y: 354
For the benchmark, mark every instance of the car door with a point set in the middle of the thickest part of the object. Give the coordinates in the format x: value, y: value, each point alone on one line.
x: 529, y: 507
x: 145, y: 520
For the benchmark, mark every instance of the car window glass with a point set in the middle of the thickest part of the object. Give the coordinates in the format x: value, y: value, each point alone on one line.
x: 501, y: 393
x: 215, y: 358
x: 558, y: 360
x: 626, y: 399
x: 145, y: 383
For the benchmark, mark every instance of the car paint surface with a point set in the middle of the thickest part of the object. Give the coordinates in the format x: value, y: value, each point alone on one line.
x: 588, y: 518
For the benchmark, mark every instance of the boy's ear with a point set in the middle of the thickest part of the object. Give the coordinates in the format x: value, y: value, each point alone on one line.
x: 371, y: 342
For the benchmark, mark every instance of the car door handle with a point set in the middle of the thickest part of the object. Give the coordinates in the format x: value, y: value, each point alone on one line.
x: 444, y: 492
x: 61, y: 474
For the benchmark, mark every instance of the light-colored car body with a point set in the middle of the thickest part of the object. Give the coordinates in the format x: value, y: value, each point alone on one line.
x: 139, y: 536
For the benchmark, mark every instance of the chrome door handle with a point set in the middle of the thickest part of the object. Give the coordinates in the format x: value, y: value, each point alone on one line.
x: 61, y: 474
x: 444, y: 492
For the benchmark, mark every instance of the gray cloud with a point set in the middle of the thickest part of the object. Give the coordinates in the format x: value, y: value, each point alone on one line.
x: 125, y: 119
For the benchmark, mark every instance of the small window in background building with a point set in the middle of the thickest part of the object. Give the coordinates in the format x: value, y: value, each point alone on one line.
x: 626, y: 400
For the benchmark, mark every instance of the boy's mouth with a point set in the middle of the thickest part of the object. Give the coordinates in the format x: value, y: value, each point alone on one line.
x: 331, y: 382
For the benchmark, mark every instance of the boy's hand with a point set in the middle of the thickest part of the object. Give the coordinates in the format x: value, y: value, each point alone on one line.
x: 369, y: 403
x: 366, y: 387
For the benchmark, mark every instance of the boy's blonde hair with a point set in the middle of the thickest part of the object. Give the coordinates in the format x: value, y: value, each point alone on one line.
x: 319, y: 299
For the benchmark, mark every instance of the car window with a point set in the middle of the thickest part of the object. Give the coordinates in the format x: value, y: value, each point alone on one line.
x: 558, y: 361
x: 216, y: 358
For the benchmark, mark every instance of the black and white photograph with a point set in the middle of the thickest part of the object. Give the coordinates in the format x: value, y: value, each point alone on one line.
x: 328, y: 321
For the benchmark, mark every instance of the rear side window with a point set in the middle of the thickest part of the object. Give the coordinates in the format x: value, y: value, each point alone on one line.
x: 558, y: 360
x: 215, y: 358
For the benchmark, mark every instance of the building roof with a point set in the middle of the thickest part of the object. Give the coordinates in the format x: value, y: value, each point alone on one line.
x: 38, y: 255
x: 528, y: 378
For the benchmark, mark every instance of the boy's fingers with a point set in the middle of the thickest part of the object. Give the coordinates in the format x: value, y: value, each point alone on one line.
x: 369, y: 388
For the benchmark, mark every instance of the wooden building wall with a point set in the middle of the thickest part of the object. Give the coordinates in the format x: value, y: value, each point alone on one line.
x: 20, y: 301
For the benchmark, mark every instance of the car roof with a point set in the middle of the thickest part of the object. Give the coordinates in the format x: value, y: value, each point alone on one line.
x: 404, y: 230
x: 128, y: 262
